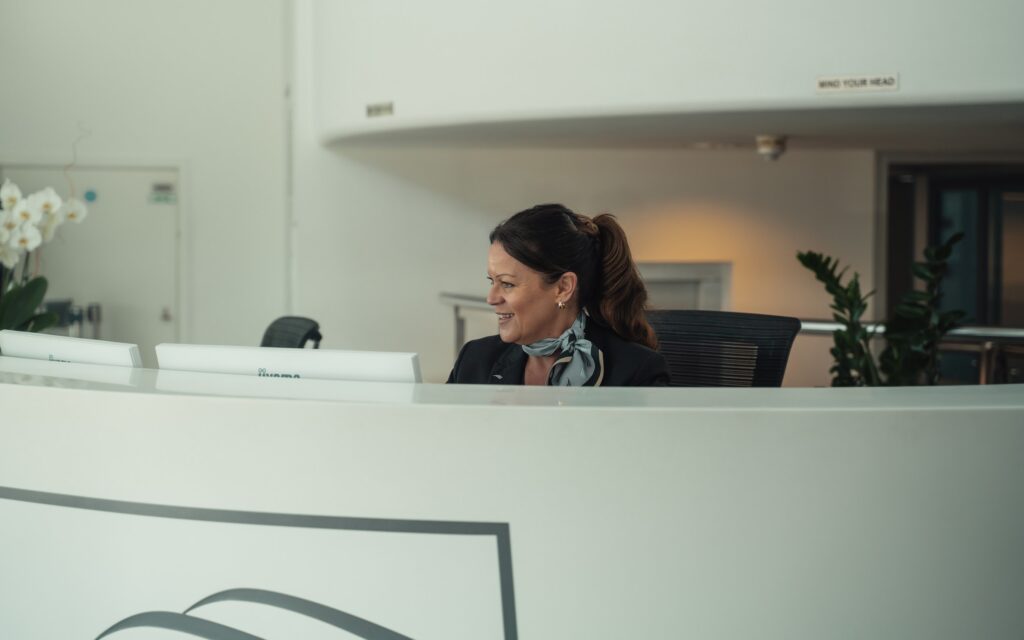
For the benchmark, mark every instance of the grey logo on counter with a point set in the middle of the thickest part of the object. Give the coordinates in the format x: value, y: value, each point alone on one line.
x: 211, y: 630
x: 203, y: 628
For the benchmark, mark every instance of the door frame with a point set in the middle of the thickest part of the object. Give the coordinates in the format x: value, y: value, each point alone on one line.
x: 883, y: 162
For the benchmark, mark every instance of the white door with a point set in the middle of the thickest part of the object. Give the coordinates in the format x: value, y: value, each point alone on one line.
x: 123, y: 256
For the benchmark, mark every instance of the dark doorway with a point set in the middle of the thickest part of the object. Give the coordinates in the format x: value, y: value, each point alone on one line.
x: 929, y: 203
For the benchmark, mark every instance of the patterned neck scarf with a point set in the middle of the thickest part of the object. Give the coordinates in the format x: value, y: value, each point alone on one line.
x: 580, y: 362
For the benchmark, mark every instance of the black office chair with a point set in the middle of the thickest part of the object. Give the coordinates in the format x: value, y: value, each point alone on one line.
x: 292, y: 331
x: 724, y: 348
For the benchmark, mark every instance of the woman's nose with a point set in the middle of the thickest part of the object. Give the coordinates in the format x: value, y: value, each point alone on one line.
x: 493, y: 297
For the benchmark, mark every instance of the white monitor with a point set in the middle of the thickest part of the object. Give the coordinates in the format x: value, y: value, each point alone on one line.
x: 277, y: 362
x: 45, y: 346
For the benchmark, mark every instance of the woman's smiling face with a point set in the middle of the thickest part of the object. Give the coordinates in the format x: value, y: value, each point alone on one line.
x: 526, y: 305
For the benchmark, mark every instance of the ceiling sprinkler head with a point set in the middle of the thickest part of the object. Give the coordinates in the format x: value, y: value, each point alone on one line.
x: 770, y: 147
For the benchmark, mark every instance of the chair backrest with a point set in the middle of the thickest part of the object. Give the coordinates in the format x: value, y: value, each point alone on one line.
x: 724, y: 348
x: 292, y: 331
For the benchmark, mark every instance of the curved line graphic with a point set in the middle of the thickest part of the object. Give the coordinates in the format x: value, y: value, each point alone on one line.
x: 199, y: 627
x: 335, y: 617
x: 500, y: 530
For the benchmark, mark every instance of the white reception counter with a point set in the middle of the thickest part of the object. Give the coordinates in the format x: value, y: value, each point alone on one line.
x: 143, y: 504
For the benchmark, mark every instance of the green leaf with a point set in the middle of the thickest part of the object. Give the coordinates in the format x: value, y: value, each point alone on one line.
x: 911, y: 311
x: 953, y: 239
x: 950, y: 320
x: 20, y: 303
x: 917, y: 296
x: 921, y: 270
x: 41, y: 321
x: 809, y: 259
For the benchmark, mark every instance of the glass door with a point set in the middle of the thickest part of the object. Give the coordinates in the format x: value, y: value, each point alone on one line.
x: 930, y: 203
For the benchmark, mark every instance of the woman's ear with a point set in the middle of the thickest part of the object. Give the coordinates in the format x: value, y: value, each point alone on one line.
x: 565, y: 288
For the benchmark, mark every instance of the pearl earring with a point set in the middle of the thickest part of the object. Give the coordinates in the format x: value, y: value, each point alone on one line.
x: 561, y: 305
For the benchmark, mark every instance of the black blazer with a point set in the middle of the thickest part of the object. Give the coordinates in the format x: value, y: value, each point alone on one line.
x: 626, y: 364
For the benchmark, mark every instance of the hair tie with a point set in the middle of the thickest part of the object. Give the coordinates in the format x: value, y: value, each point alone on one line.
x: 587, y: 225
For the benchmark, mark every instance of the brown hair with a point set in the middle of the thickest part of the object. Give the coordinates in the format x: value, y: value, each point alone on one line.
x: 553, y: 240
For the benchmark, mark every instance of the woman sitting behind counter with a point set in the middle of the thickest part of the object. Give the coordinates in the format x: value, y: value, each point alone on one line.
x: 570, y: 306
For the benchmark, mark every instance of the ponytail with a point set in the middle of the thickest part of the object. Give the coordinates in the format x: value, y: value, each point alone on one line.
x: 621, y: 297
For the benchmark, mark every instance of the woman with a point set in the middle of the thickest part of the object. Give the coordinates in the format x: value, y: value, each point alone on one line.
x: 570, y: 306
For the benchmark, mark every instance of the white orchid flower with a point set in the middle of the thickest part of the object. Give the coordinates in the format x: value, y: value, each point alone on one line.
x: 53, y: 220
x: 46, y: 201
x: 9, y: 256
x: 10, y: 194
x: 49, y: 226
x: 8, y: 221
x: 25, y: 238
x: 74, y: 210
x: 27, y: 212
x: 5, y: 235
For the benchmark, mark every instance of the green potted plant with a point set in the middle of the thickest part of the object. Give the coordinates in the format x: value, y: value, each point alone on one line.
x: 912, y: 333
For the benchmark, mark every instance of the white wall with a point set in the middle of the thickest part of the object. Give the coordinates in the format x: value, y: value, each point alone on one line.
x: 191, y: 82
x: 381, y: 231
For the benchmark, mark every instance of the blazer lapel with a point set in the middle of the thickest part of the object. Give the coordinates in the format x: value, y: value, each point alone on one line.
x: 510, y: 367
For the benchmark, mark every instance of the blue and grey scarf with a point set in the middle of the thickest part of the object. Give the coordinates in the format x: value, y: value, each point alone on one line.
x: 580, y: 362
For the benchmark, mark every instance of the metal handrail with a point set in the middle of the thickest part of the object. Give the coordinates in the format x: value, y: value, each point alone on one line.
x: 987, y: 342
x: 462, y: 300
x: 960, y: 334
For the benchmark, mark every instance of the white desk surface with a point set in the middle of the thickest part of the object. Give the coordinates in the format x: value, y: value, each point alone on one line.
x: 19, y: 371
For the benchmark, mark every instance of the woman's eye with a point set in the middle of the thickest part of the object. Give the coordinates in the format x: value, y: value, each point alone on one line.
x: 507, y: 285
